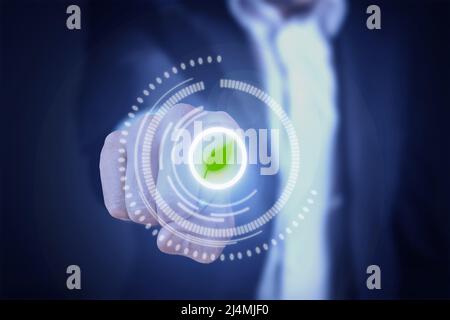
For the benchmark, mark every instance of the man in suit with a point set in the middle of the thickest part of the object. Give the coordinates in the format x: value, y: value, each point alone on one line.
x: 387, y: 202
x: 362, y: 164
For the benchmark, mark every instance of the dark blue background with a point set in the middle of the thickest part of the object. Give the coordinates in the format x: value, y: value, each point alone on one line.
x: 63, y: 91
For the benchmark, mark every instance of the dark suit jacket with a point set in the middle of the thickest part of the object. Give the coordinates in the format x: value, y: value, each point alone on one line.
x: 390, y: 155
x: 391, y: 206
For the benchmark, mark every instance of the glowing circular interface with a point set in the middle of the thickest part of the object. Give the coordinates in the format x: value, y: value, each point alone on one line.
x: 217, y: 158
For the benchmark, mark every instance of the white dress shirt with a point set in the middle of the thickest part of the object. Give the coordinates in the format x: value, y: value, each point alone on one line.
x: 296, y: 61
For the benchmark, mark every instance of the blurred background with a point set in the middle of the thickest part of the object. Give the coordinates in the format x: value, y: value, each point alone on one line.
x: 63, y: 91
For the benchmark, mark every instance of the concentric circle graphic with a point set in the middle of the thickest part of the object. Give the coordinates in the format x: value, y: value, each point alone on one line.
x: 179, y: 207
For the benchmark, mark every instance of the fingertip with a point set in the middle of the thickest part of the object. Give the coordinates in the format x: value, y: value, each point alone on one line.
x: 118, y: 213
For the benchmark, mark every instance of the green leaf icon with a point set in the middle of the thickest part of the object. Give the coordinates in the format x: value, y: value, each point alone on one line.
x: 212, y: 163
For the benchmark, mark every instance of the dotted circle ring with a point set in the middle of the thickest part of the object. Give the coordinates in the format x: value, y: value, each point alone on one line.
x: 259, y: 94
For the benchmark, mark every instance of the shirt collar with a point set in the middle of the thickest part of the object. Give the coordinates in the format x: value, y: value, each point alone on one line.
x: 263, y: 19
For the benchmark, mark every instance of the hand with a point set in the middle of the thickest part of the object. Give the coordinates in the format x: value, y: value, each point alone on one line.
x: 125, y: 205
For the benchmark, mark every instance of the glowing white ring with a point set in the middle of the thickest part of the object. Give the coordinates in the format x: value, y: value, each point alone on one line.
x: 241, y: 146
